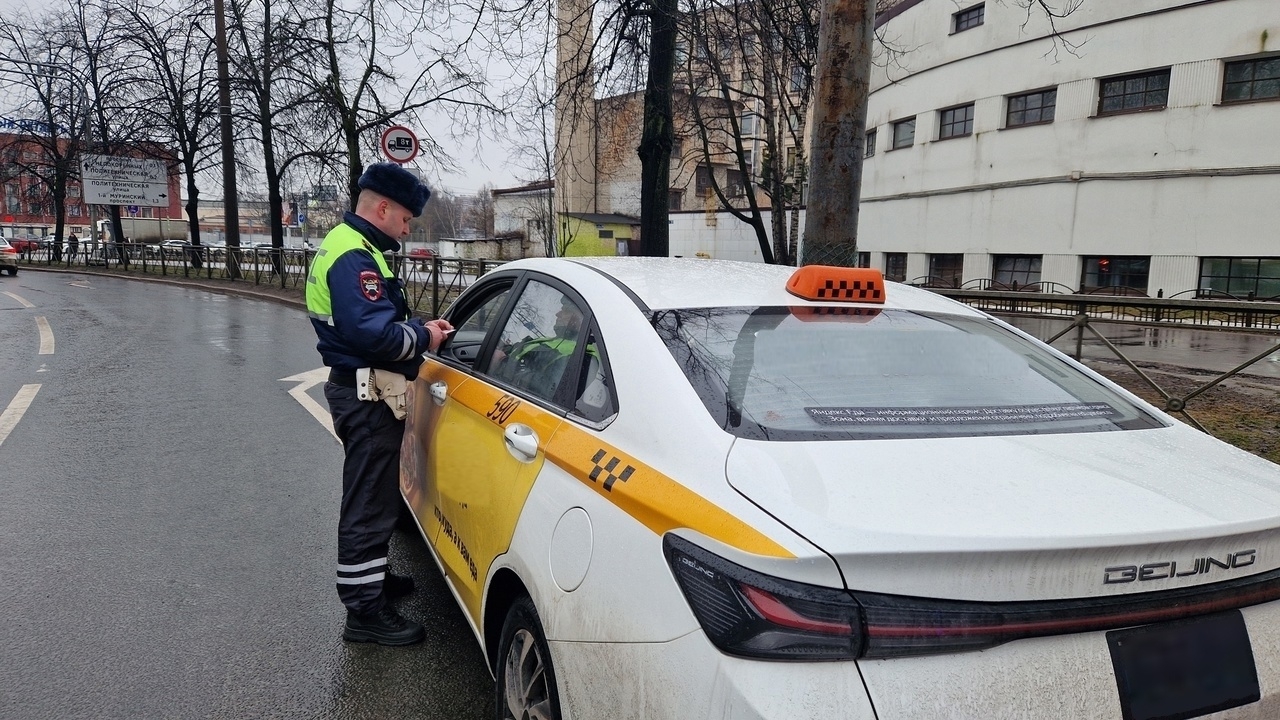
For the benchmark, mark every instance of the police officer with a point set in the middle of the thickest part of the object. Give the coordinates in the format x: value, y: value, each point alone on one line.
x: 372, y: 346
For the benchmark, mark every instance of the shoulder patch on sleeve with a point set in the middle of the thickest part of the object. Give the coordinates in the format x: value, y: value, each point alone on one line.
x: 371, y: 285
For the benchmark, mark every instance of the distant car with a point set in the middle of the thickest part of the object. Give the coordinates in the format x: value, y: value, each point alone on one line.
x: 664, y: 488
x: 168, y: 248
x: 8, y: 257
x: 422, y: 256
x: 25, y: 244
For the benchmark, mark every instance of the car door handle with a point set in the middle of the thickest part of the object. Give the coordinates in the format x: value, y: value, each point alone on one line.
x: 521, y: 441
x: 439, y: 392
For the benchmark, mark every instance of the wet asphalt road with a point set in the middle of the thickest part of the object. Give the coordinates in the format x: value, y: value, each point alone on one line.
x: 168, y: 517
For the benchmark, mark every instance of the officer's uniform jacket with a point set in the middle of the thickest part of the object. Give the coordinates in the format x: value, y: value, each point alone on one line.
x: 358, y: 306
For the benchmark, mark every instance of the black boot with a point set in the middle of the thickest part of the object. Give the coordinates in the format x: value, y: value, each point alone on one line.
x: 397, y: 586
x: 385, y: 627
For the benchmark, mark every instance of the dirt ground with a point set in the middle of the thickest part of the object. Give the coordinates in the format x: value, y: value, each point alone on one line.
x: 1243, y: 410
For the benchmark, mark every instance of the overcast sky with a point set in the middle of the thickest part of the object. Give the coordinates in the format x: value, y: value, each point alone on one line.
x: 482, y: 160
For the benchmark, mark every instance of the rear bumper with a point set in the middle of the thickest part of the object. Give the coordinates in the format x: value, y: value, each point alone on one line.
x: 688, y: 679
x: 1064, y: 676
x: 1047, y: 678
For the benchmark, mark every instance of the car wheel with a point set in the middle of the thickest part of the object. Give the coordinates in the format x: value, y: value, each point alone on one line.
x: 526, y: 686
x: 13, y: 271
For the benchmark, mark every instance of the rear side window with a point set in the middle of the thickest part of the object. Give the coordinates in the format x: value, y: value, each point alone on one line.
x: 778, y: 373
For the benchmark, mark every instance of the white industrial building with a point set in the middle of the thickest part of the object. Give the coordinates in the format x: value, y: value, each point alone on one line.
x: 1137, y: 147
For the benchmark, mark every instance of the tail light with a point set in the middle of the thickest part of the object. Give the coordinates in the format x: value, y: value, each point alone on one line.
x: 749, y: 614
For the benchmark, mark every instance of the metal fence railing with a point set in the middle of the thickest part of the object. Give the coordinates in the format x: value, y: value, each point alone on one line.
x: 1086, y: 312
x: 431, y: 283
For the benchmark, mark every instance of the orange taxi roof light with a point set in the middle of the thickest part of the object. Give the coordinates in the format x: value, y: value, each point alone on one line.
x: 842, y: 284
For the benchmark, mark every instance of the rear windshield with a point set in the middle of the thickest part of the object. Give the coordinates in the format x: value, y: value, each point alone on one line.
x: 779, y: 373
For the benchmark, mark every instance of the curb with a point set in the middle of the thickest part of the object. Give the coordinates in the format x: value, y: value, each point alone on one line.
x: 202, y: 285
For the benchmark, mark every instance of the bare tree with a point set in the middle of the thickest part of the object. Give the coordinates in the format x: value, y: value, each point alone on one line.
x: 756, y: 60
x: 365, y: 41
x: 272, y: 45
x: 179, y: 79
x: 50, y: 151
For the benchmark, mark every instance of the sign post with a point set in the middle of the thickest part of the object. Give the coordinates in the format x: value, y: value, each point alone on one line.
x: 116, y: 180
x: 399, y: 144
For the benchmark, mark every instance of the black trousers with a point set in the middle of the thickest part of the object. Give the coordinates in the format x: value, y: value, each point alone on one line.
x: 371, y: 437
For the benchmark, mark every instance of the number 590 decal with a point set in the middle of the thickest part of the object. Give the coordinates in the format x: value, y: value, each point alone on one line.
x: 502, y: 409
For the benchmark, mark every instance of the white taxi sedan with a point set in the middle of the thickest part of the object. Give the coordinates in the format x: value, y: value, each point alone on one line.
x: 665, y: 488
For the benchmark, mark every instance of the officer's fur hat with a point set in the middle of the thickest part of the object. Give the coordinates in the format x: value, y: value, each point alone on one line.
x: 395, y: 183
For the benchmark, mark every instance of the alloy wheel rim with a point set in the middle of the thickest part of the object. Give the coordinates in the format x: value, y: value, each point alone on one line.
x: 527, y: 694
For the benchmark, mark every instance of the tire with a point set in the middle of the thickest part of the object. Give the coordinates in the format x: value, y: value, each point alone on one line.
x: 526, y: 684
x: 13, y: 271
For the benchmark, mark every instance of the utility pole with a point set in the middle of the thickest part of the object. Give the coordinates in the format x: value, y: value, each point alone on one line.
x: 231, y: 209
x: 838, y: 133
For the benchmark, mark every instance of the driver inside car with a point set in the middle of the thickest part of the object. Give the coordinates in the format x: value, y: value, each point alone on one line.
x: 538, y: 364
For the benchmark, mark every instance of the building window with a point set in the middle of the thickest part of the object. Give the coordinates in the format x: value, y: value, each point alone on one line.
x: 904, y: 133
x: 1244, y: 278
x: 1257, y: 79
x: 702, y: 180
x: 1133, y: 93
x: 606, y: 234
x: 895, y: 267
x: 748, y: 125
x: 968, y: 18
x: 946, y: 269
x: 791, y: 161
x: 864, y: 259
x: 870, y: 143
x: 748, y: 159
x: 734, y: 184
x: 955, y: 122
x: 799, y: 78
x: 1031, y: 108
x: 1014, y: 272
x: 1120, y: 275
x: 73, y: 210
x: 677, y: 148
x: 674, y: 199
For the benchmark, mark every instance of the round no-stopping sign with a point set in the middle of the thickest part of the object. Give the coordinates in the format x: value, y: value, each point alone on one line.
x: 399, y: 144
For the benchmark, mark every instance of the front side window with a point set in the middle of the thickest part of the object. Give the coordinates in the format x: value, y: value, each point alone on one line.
x: 1244, y: 278
x: 1116, y: 274
x: 1133, y: 93
x: 955, y: 122
x: 1031, y: 108
x: 538, y: 341
x: 1257, y: 79
x: 792, y: 374
x: 904, y: 133
x: 968, y: 18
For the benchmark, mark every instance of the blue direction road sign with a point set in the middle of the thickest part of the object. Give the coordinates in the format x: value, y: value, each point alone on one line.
x: 302, y: 217
x: 133, y: 209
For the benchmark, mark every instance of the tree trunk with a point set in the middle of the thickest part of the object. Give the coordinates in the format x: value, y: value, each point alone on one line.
x: 839, y: 127
x: 659, y: 132
x: 193, y: 220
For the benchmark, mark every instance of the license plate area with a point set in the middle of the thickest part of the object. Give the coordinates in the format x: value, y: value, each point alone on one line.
x: 1184, y: 669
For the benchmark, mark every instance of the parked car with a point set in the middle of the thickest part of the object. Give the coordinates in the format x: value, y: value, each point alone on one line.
x: 169, y: 248
x: 677, y: 489
x: 8, y: 257
x: 25, y: 245
x: 422, y: 256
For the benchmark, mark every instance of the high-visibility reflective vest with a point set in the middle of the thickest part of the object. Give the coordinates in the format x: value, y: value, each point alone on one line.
x: 342, y: 239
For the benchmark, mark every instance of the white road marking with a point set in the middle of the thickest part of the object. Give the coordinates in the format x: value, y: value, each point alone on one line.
x: 46, y: 336
x: 17, y: 407
x: 81, y: 284
x: 306, y: 381
x: 20, y: 299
